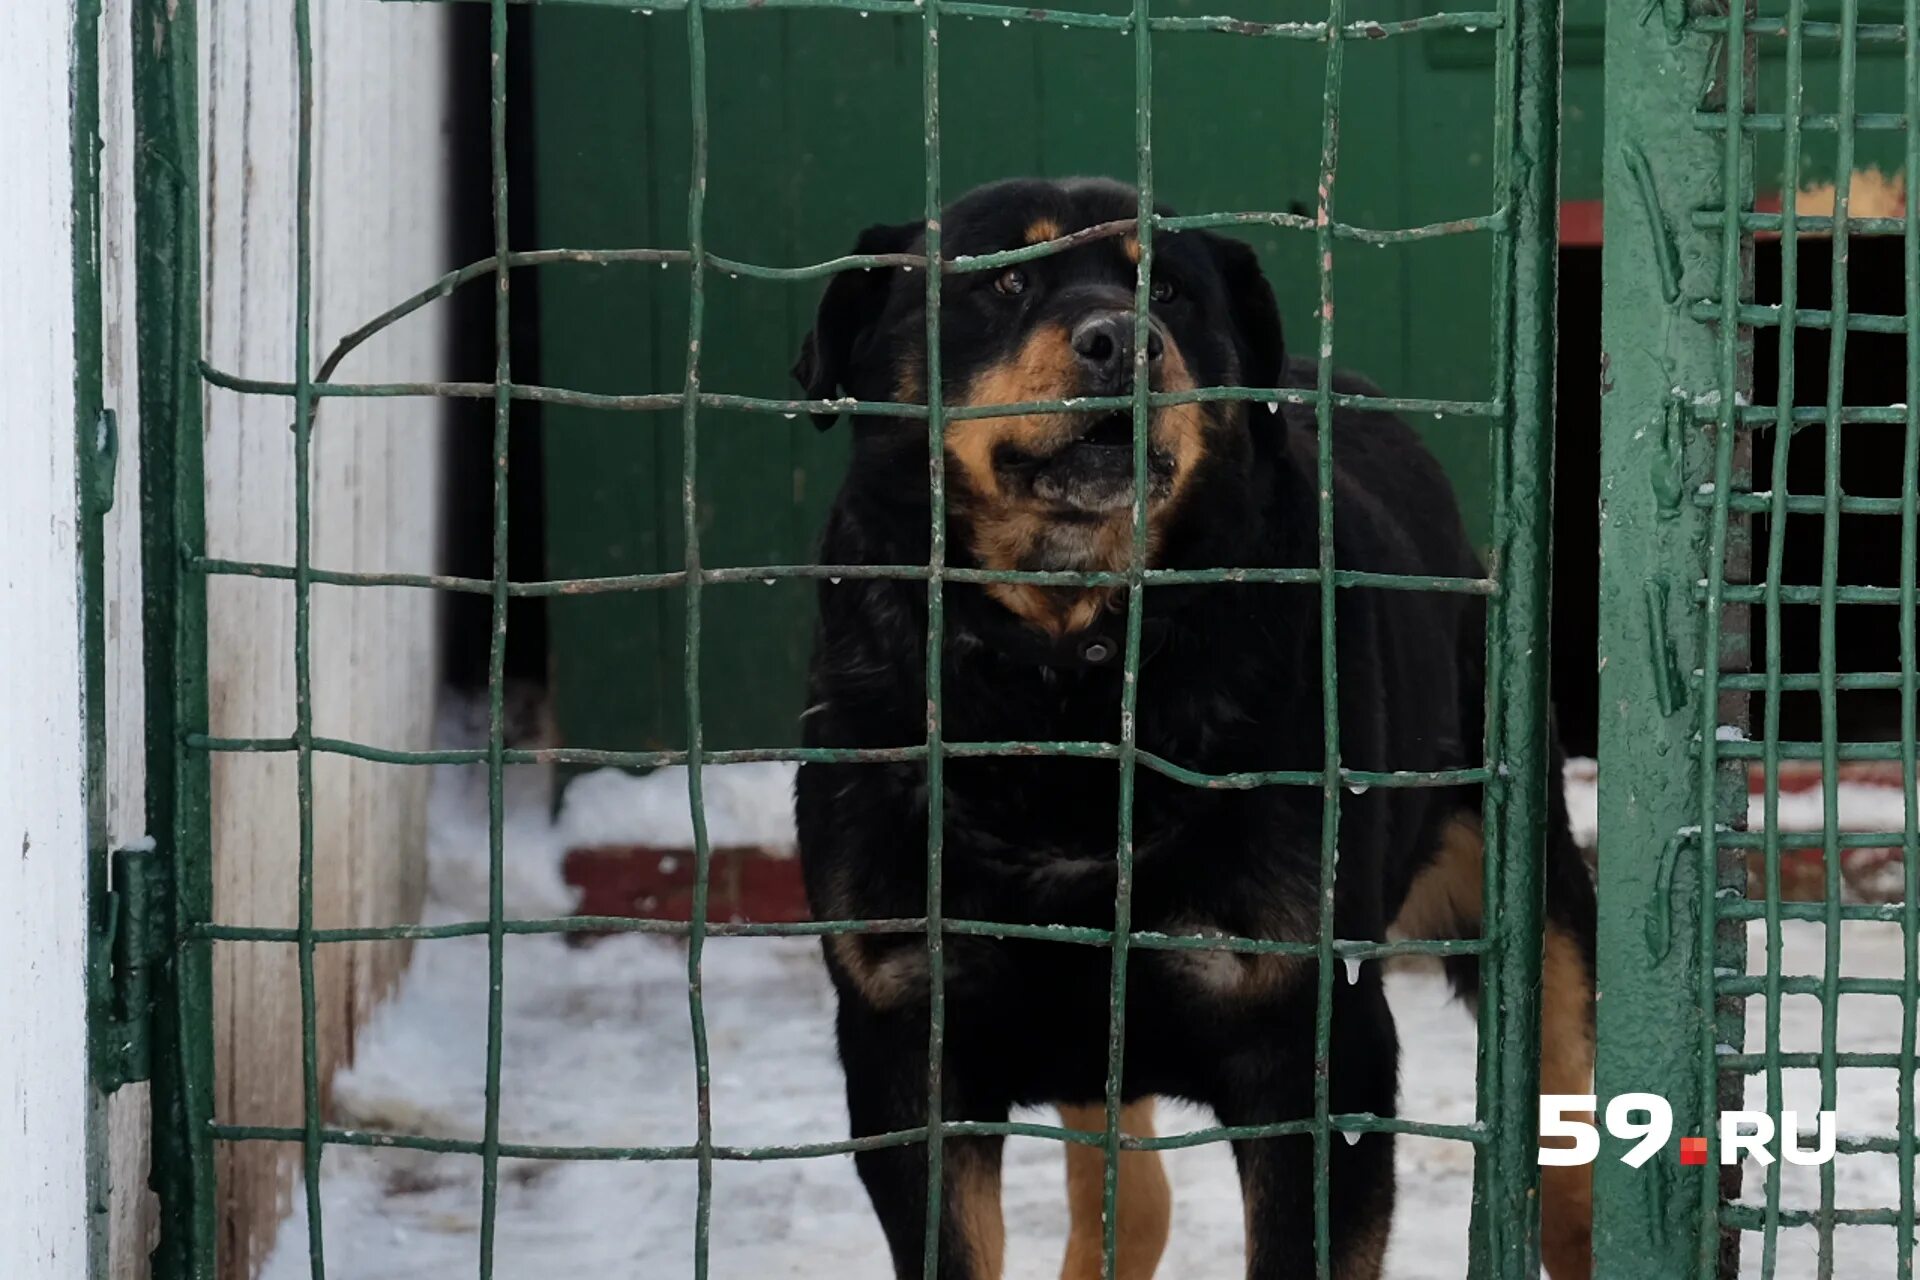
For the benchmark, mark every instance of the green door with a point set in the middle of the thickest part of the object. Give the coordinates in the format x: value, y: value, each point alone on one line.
x: 815, y: 132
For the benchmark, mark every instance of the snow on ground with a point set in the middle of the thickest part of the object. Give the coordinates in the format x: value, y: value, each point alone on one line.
x: 597, y: 1050
x: 1861, y: 806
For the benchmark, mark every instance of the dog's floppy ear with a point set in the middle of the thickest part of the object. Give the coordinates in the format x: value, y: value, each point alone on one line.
x: 1256, y: 317
x: 848, y: 312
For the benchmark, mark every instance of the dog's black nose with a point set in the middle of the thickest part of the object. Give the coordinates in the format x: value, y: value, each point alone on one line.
x: 1104, y: 343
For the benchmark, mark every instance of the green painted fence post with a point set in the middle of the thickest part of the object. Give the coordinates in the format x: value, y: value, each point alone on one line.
x: 166, y: 113
x: 1507, y: 1202
x: 1664, y: 375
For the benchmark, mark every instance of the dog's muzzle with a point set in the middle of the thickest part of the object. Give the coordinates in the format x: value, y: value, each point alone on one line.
x: 1093, y: 471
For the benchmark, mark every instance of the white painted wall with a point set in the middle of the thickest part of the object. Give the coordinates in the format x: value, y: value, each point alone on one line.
x: 43, y: 851
x: 132, y: 1218
x: 378, y: 218
x: 379, y: 234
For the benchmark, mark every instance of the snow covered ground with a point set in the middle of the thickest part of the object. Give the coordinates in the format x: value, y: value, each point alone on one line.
x: 597, y: 1050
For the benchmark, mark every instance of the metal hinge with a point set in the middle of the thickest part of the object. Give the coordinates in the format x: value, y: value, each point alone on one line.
x: 132, y: 949
x: 100, y: 465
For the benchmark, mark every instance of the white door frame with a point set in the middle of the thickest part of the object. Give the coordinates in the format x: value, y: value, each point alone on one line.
x: 44, y: 1088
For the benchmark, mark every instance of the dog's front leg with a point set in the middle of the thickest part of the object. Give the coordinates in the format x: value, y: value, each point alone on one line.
x: 1143, y: 1208
x: 1274, y: 1083
x: 1276, y: 1187
x: 885, y: 1055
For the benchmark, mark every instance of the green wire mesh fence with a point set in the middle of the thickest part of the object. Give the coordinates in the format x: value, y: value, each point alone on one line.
x: 1700, y: 567
x: 1741, y: 105
x: 1520, y: 227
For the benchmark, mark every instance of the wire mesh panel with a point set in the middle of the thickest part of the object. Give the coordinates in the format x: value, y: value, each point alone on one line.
x: 1759, y: 598
x: 1517, y: 225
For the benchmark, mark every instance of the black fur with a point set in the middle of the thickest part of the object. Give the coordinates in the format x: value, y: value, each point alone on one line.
x: 1233, y: 684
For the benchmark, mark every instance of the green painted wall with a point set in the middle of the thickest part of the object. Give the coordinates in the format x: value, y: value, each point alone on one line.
x: 815, y: 122
x: 1879, y: 89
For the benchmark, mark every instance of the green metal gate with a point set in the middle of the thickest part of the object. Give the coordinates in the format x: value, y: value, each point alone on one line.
x: 1678, y: 495
x: 1707, y: 106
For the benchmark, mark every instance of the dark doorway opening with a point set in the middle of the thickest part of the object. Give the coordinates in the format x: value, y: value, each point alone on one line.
x: 467, y: 529
x: 1575, y: 630
x: 1866, y: 637
x: 1871, y: 463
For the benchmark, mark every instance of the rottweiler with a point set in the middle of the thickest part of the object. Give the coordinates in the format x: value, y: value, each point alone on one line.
x: 1229, y: 682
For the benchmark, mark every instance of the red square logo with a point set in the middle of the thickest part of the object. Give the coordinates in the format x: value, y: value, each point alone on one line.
x: 1693, y: 1151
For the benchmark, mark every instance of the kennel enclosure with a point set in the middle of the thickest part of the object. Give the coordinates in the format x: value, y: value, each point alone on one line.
x: 1696, y: 459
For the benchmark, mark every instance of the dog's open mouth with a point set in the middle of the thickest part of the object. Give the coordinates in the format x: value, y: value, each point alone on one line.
x: 1093, y: 470
x: 1110, y: 430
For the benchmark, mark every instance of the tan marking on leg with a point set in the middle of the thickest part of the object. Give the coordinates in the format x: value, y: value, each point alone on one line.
x: 1237, y: 975
x: 1042, y: 230
x: 887, y: 981
x: 972, y: 1172
x: 1447, y: 903
x: 1566, y: 1066
x: 1366, y: 1256
x: 1252, y: 1197
x: 1445, y: 900
x: 1143, y: 1203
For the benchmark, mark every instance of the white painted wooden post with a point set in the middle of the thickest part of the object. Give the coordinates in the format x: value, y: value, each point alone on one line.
x: 380, y: 232
x: 43, y: 851
x: 380, y: 222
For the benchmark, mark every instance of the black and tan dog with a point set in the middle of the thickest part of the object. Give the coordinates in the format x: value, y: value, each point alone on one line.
x: 1230, y: 681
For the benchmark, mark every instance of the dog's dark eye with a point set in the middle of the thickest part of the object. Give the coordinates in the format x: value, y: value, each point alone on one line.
x: 1163, y: 291
x: 1010, y: 282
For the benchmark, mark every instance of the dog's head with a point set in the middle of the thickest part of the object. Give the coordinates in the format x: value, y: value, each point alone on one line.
x: 1054, y: 490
